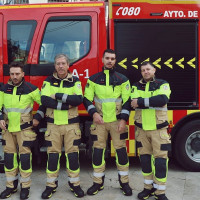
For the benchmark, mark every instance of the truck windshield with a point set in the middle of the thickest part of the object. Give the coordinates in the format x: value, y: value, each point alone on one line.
x: 19, y: 38
x: 67, y: 36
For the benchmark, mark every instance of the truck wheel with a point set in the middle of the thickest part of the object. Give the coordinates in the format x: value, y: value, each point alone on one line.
x: 187, y: 146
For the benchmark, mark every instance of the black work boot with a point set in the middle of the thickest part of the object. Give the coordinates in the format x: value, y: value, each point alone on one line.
x: 145, y: 194
x: 95, y: 188
x: 48, y: 192
x: 127, y: 191
x: 78, y: 192
x: 160, y: 197
x: 9, y: 191
x: 24, y: 193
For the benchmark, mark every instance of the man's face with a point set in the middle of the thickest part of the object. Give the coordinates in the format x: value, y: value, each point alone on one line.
x: 16, y: 75
x: 109, y: 60
x: 61, y: 67
x: 147, y: 72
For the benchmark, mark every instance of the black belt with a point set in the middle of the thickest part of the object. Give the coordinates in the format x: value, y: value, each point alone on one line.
x: 158, y: 126
x: 70, y: 121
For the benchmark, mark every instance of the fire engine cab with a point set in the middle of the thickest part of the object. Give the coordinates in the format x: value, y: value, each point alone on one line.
x: 163, y: 32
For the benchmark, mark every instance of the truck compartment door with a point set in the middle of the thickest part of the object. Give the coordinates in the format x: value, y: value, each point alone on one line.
x: 171, y: 45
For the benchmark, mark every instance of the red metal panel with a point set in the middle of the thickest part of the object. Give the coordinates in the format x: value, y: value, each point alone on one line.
x: 178, y: 115
x: 131, y: 132
x: 127, y: 145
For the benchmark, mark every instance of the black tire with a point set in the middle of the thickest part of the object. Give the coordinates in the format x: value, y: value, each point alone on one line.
x: 187, y: 146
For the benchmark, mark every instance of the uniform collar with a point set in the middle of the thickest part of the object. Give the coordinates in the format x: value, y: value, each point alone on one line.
x: 144, y: 82
x: 11, y: 83
x: 111, y: 71
x: 68, y: 78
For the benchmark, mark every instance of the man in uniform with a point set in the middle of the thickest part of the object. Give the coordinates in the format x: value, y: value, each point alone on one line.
x: 61, y: 94
x: 110, y: 91
x: 16, y: 121
x: 149, y: 99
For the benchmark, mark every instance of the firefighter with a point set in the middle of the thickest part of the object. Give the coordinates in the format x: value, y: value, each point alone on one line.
x: 149, y: 99
x: 17, y: 121
x: 61, y: 94
x: 110, y: 91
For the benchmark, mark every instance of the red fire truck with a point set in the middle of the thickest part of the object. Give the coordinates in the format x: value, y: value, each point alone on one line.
x: 165, y: 33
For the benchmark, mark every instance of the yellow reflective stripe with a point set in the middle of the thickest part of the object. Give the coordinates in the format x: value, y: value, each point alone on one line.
x: 146, y: 174
x: 107, y: 77
x: 53, y: 5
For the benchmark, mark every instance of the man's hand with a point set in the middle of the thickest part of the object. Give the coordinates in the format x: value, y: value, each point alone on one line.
x: 3, y: 124
x: 53, y: 96
x: 122, y: 125
x: 134, y: 103
x: 97, y: 118
x: 35, y: 122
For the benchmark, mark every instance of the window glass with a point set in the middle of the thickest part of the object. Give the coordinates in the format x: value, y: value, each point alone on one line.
x: 70, y: 37
x: 19, y: 38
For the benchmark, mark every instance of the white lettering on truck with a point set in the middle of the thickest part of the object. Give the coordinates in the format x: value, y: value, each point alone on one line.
x: 175, y: 13
x: 128, y: 11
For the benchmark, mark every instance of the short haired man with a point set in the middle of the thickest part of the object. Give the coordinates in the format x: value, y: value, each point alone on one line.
x: 17, y: 121
x: 110, y: 91
x: 61, y: 95
x: 149, y: 99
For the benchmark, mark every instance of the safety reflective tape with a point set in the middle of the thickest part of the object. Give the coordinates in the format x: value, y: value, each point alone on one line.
x: 64, y: 98
x: 90, y: 107
x: 73, y: 180
x: 109, y: 100
x: 155, y: 108
x: 52, y: 5
x: 24, y: 180
x: 159, y: 187
x: 19, y: 110
x: 146, y: 102
x: 124, y: 111
x: 148, y: 182
x: 123, y: 173
x: 11, y: 178
x: 41, y: 113
x: 59, y: 106
x: 52, y: 180
x: 98, y: 174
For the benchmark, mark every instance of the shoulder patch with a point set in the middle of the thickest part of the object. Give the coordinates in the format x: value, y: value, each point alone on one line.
x: 165, y: 87
x: 127, y: 86
x: 79, y: 86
